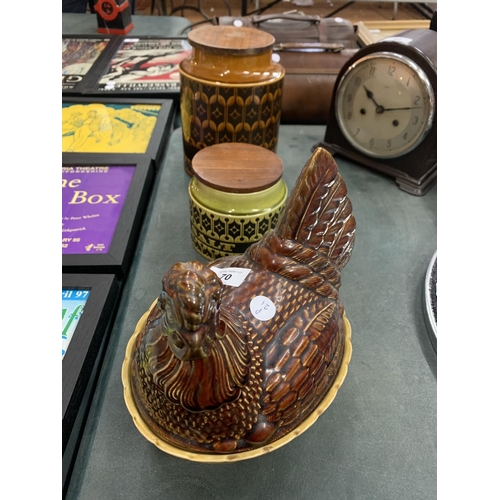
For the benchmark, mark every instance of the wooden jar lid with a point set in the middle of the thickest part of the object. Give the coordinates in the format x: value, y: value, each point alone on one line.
x: 231, y: 40
x: 236, y: 167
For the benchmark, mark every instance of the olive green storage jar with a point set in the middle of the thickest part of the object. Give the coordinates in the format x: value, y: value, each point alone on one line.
x: 231, y: 89
x: 236, y: 195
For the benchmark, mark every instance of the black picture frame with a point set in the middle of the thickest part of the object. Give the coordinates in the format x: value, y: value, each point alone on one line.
x: 81, y: 362
x: 118, y: 256
x: 126, y: 74
x: 83, y: 107
x: 80, y: 63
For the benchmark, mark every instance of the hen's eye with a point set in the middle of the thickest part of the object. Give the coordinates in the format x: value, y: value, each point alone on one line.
x: 169, y: 313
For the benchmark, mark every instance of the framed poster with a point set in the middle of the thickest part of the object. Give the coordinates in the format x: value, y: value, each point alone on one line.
x: 142, y: 66
x: 369, y: 32
x: 116, y: 125
x: 88, y: 306
x: 103, y: 206
x: 81, y: 58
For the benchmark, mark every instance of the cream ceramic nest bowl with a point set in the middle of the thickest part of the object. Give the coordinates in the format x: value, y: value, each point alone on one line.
x: 229, y: 457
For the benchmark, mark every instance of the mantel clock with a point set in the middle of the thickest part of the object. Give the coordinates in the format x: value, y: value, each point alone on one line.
x: 383, y: 111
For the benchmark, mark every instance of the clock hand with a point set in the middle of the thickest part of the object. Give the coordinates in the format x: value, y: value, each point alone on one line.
x: 380, y: 109
x: 369, y: 94
x: 397, y: 109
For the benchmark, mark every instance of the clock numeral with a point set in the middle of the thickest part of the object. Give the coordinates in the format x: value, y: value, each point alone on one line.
x: 372, y: 70
x: 405, y: 135
x: 389, y: 144
x: 357, y: 81
x: 416, y: 101
x: 357, y: 132
x: 372, y: 142
x: 415, y: 120
x: 391, y: 70
x: 349, y: 97
x: 408, y: 82
x: 349, y: 115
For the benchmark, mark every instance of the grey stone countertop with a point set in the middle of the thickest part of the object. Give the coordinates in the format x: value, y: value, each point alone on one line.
x: 377, y: 440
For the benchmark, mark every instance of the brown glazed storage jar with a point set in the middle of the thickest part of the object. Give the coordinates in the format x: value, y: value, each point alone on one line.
x: 231, y: 89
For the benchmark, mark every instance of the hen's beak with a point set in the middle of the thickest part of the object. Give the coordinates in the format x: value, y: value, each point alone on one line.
x: 190, y: 346
x: 194, y: 354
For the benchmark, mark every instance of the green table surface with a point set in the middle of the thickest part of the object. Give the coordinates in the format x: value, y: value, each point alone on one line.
x: 377, y: 440
x: 86, y: 24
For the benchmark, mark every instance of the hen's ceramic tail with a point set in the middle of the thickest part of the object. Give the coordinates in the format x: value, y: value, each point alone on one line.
x: 318, y: 211
x: 314, y: 236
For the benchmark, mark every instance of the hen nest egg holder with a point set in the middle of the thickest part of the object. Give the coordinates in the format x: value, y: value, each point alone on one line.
x: 338, y: 252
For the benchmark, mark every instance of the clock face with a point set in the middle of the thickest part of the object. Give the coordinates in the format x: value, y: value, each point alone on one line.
x: 384, y: 105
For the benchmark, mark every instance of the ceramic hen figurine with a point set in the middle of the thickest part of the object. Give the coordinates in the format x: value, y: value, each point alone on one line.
x: 227, y: 369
